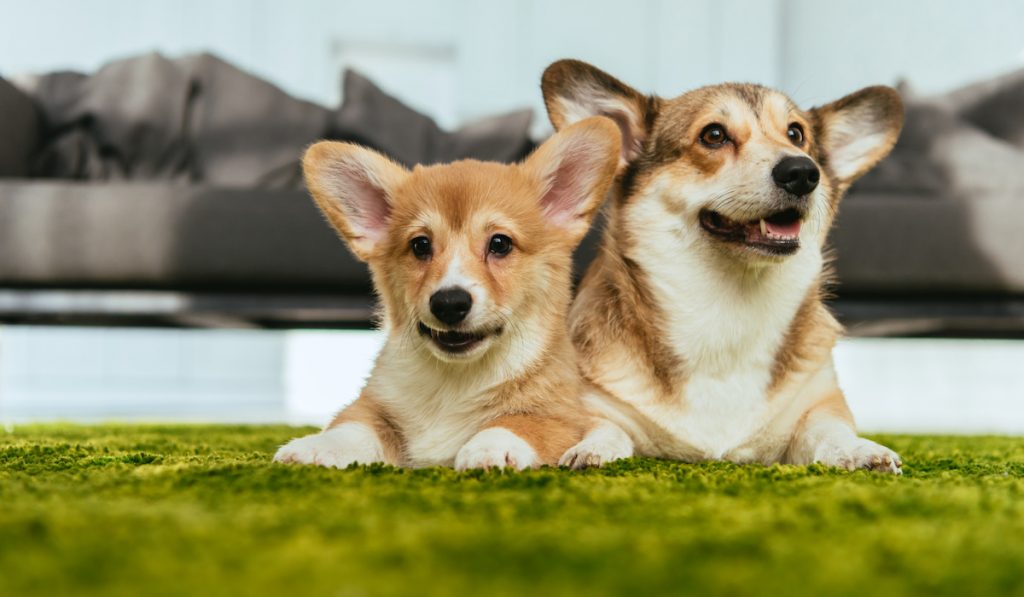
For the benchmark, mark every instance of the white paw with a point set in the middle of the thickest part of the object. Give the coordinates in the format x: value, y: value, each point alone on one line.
x: 495, y: 448
x: 604, y: 444
x: 860, y: 454
x: 337, y: 447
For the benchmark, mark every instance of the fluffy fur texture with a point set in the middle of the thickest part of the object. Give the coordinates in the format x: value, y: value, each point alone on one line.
x: 707, y: 346
x: 514, y: 398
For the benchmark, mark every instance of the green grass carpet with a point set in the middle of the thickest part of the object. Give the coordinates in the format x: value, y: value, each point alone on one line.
x: 200, y: 510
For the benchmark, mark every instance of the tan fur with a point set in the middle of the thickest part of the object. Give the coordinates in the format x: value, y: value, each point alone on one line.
x: 526, y: 381
x: 614, y: 307
x: 550, y: 435
x: 832, y: 405
x: 369, y: 412
x: 808, y: 341
x: 622, y: 315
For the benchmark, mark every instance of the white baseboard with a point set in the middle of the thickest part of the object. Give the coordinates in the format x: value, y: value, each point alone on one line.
x: 305, y: 377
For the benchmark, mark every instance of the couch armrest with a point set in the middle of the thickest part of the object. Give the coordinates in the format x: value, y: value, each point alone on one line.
x: 19, y: 131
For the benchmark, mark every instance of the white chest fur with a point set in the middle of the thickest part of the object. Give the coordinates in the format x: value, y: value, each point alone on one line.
x: 437, y: 408
x: 434, y: 436
x: 726, y: 322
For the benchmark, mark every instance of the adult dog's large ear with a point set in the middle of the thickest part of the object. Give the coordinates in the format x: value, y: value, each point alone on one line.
x: 575, y: 168
x: 353, y: 187
x: 857, y: 131
x: 575, y: 90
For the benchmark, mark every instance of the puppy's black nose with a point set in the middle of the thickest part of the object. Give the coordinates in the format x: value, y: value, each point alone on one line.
x: 796, y: 174
x: 450, y: 305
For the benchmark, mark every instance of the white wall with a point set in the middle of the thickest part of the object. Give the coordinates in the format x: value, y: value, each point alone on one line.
x: 69, y: 373
x: 459, y: 59
x: 830, y: 48
x: 305, y: 377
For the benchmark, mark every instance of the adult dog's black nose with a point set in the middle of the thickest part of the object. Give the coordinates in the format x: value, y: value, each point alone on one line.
x: 450, y: 305
x: 796, y: 174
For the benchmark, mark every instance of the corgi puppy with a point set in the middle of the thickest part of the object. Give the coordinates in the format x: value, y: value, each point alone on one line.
x: 703, y: 317
x: 472, y: 263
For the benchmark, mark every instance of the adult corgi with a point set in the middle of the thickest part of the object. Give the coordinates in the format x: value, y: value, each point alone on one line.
x: 702, y: 317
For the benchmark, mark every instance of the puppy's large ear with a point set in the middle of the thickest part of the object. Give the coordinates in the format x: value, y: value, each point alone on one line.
x: 353, y: 187
x: 575, y: 167
x: 857, y: 131
x: 574, y: 90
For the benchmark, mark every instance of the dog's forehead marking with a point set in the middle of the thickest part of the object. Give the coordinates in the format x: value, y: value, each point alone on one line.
x: 737, y: 106
x: 455, y: 272
x: 770, y: 109
x: 490, y: 220
x: 778, y: 112
x: 429, y: 221
x: 444, y: 217
x: 753, y: 103
x: 456, y: 192
x: 781, y: 105
x: 743, y: 116
x: 751, y: 95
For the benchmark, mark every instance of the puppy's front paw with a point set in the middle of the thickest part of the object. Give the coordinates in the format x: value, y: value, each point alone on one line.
x: 598, y: 449
x: 861, y: 454
x: 337, y: 447
x: 495, y: 448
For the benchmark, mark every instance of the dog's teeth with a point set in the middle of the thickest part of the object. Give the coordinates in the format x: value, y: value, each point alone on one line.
x: 764, y: 227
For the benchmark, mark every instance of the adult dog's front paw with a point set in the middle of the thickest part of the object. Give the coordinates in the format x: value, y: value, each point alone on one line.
x: 495, y: 448
x: 337, y: 447
x: 861, y: 453
x: 601, y: 446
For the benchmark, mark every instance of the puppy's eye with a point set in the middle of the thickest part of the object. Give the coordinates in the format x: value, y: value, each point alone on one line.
x: 499, y: 245
x: 421, y: 247
x: 796, y: 134
x: 714, y: 135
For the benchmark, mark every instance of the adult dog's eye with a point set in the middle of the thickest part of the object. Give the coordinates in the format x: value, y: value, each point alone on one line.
x: 499, y: 245
x: 795, y: 132
x: 714, y: 135
x: 421, y: 247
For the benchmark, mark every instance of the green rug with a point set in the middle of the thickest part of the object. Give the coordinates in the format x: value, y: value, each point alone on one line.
x: 200, y: 510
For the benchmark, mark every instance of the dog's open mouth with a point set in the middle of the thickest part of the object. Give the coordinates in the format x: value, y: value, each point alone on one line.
x: 775, y: 234
x: 455, y: 342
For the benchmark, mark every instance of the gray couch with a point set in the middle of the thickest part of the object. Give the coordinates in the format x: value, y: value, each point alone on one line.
x: 119, y: 204
x: 929, y: 242
x: 160, y: 191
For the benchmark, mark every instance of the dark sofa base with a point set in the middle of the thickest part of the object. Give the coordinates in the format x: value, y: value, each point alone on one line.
x: 160, y: 308
x: 996, y: 317
x: 968, y: 317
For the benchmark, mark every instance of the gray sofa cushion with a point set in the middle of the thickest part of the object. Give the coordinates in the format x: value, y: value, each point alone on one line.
x: 943, y: 154
x: 904, y: 244
x: 941, y: 214
x: 194, y: 119
x: 125, y: 121
x: 995, y: 106
x: 200, y: 119
x: 19, y: 130
x: 503, y: 138
x: 247, y: 132
x: 373, y: 118
x: 158, y: 235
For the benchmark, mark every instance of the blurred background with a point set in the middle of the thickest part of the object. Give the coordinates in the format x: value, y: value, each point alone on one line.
x: 159, y: 259
x: 458, y: 60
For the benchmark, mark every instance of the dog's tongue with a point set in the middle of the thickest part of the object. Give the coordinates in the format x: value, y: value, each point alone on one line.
x: 787, y: 229
x: 767, y: 230
x: 457, y: 338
